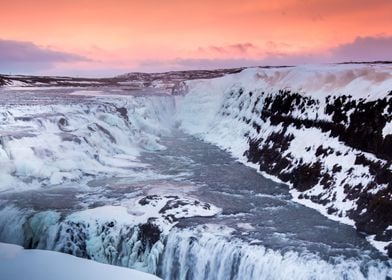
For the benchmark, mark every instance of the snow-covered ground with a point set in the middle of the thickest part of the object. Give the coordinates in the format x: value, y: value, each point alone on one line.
x: 19, y: 264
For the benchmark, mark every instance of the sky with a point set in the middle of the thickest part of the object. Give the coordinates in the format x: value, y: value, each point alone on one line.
x: 110, y: 37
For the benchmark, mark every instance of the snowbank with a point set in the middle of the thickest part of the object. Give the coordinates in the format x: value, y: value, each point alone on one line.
x: 18, y: 264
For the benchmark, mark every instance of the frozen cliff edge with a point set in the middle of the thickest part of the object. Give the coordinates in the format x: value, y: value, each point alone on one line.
x: 324, y: 130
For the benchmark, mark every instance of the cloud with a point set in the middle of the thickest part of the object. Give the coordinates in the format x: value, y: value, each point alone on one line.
x: 200, y: 63
x: 360, y: 50
x: 232, y: 49
x: 203, y: 63
x: 364, y: 49
x: 27, y: 57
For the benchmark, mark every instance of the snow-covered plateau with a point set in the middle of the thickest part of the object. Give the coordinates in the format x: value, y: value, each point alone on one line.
x: 257, y: 173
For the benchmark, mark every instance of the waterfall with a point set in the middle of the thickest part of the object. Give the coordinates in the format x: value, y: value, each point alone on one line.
x: 134, y: 246
x: 192, y: 254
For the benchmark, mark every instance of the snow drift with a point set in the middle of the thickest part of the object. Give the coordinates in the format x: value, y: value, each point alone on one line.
x: 41, y: 265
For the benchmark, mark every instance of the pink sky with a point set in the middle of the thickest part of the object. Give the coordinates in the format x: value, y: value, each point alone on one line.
x: 98, y: 38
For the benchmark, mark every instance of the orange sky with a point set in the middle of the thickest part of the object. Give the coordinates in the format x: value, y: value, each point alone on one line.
x: 154, y: 35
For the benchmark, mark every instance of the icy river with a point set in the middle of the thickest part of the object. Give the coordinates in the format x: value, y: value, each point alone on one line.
x: 179, y: 207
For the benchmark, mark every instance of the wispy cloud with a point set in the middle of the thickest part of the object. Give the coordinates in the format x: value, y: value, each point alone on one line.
x: 364, y: 49
x: 237, y: 49
x: 26, y: 57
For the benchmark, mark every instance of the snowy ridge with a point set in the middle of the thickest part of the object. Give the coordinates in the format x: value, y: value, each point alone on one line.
x: 324, y: 130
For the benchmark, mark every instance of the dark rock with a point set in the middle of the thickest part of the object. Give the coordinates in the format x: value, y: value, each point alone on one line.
x: 147, y: 199
x: 389, y: 252
x: 149, y: 233
x: 306, y: 176
x: 123, y: 112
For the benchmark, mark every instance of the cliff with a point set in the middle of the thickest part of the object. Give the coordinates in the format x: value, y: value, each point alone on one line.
x: 324, y: 130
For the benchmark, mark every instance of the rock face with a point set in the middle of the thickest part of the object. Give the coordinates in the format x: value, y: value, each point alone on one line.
x: 358, y: 126
x: 327, y: 132
x: 2, y: 82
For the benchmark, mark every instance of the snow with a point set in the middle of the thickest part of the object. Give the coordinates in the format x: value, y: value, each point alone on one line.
x: 133, y: 212
x: 323, y: 80
x: 88, y: 92
x: 16, y: 83
x: 19, y: 264
x: 26, y: 88
x: 315, y: 80
x: 379, y: 245
x: 387, y: 129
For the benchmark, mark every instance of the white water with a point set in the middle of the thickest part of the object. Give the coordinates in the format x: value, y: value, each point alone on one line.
x: 48, y: 145
x: 191, y: 254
